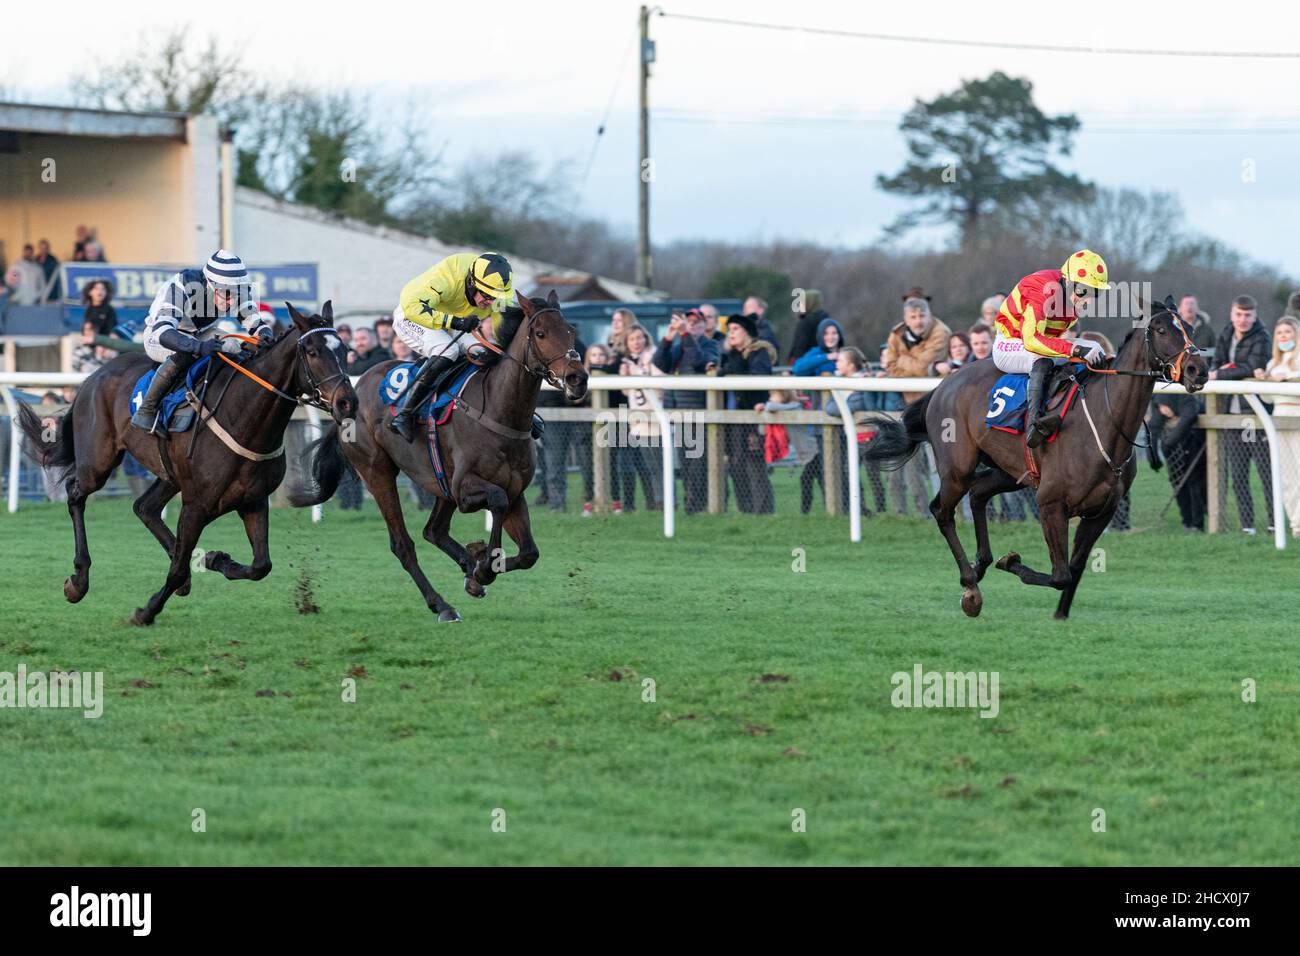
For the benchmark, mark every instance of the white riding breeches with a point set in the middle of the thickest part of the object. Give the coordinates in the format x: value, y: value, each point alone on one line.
x: 427, y: 342
x: 1010, y: 355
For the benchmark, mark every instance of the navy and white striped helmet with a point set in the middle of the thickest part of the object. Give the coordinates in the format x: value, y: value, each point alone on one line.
x: 224, y: 268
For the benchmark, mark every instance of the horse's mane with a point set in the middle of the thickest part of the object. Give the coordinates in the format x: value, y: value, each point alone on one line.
x: 511, y: 318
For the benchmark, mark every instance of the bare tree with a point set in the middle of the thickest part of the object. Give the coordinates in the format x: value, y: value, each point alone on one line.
x: 176, y: 74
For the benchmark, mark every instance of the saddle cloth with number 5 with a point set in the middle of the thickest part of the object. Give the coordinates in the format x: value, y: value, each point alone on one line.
x: 1007, y: 402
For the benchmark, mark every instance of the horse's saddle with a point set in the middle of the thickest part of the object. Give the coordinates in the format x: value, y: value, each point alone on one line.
x: 449, y: 384
x: 1008, y: 401
x: 177, y: 414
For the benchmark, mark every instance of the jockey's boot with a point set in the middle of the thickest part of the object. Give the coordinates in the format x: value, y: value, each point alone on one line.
x: 164, y: 380
x: 1039, y: 427
x: 416, y: 392
x: 539, y: 426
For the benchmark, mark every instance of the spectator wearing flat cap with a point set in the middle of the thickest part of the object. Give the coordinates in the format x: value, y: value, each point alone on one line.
x: 747, y: 354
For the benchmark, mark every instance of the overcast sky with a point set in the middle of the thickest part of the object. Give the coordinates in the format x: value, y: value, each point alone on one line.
x: 760, y: 134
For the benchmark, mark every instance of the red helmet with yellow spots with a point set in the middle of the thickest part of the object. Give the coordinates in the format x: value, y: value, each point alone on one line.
x: 1086, y: 268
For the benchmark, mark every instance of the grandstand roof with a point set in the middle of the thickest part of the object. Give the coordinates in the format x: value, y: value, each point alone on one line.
x: 80, y: 121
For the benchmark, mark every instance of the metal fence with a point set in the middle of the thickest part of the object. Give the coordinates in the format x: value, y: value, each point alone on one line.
x: 670, y: 445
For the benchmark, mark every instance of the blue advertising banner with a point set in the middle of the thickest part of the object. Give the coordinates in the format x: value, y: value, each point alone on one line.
x: 137, y: 284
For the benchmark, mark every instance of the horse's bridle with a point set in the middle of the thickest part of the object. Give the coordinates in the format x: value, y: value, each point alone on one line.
x: 317, y: 397
x: 1172, y: 370
x: 1166, y: 370
x: 543, y: 370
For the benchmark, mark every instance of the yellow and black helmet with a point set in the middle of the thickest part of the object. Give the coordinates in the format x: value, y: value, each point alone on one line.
x: 491, y: 275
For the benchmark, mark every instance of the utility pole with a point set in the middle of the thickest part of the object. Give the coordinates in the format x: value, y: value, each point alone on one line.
x: 645, y: 166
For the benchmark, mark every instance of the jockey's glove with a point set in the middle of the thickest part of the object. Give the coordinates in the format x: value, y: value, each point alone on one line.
x: 464, y: 324
x: 207, y: 347
x: 265, y: 337
x: 231, y: 346
x: 1087, y: 351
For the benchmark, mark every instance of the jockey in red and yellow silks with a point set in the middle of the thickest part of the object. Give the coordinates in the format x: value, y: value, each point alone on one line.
x: 1031, y: 326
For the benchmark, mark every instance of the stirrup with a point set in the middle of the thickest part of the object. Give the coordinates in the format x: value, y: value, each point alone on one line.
x: 1041, y: 429
x: 138, y: 421
x: 401, y: 423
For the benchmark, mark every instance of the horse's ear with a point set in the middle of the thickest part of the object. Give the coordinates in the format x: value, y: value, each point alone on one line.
x: 553, y: 300
x: 298, y: 319
x: 1170, y: 304
x: 526, y: 304
x: 327, y: 311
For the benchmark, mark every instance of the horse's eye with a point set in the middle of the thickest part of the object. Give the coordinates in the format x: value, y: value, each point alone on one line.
x: 541, y: 333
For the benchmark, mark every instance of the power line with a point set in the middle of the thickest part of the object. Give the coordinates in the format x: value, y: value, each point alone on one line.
x: 985, y: 44
x: 706, y: 118
x: 604, y: 120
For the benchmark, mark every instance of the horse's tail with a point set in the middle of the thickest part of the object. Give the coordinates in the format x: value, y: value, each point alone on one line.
x: 895, y: 442
x: 51, y: 440
x: 328, y: 466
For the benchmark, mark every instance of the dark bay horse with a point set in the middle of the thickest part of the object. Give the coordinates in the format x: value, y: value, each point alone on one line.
x: 88, y: 442
x: 487, y: 450
x: 1081, y: 473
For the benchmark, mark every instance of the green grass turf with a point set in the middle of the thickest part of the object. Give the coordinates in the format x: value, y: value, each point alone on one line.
x: 1133, y: 706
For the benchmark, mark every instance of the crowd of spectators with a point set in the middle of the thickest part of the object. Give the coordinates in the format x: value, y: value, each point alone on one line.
x: 34, y: 278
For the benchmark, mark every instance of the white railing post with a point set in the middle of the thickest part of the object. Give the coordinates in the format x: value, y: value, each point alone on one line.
x: 666, y: 447
x: 15, y: 447
x: 313, y: 417
x: 855, y: 478
x: 1275, y: 469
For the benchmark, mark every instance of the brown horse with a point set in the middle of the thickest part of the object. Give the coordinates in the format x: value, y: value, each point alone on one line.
x: 486, y: 446
x: 212, y: 478
x: 1083, y: 473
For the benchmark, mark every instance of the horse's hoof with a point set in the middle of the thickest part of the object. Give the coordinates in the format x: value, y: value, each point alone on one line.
x: 474, y: 589
x: 73, y: 592
x: 448, y: 616
x: 1005, y: 562
x: 184, y: 589
x: 141, y: 618
x: 972, y: 602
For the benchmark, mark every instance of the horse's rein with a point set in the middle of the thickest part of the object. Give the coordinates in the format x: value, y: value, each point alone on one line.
x: 1171, y: 371
x: 318, y: 400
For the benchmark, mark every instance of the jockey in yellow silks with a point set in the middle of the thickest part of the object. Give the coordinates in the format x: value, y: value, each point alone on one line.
x: 438, y: 309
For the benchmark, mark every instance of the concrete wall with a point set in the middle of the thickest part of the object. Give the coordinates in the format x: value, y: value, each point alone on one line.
x: 151, y: 200
x: 361, y: 268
